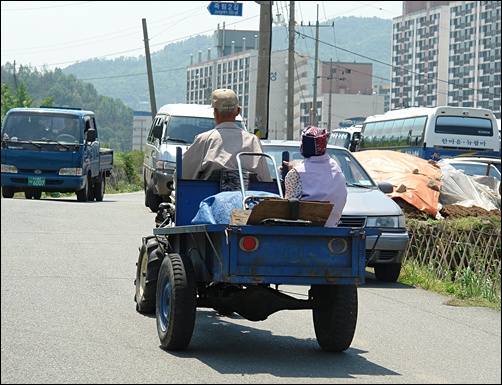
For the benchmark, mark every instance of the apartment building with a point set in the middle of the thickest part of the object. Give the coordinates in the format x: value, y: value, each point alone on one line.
x: 447, y: 53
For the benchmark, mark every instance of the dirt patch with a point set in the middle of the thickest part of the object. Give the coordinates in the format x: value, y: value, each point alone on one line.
x: 447, y: 211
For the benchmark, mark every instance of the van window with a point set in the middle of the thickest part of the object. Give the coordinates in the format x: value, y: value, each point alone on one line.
x: 155, y: 130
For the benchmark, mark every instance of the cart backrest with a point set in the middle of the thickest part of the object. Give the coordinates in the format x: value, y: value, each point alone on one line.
x: 191, y: 192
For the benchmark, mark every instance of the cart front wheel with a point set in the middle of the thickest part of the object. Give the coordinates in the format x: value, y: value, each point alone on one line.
x: 176, y: 302
x: 147, y: 269
x: 335, y: 317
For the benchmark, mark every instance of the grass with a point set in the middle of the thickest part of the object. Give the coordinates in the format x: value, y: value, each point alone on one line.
x: 469, y: 289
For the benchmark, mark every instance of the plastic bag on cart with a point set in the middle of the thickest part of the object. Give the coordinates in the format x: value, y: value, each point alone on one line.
x: 216, y: 209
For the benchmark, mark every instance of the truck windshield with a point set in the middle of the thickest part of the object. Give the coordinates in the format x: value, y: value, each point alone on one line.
x: 35, y: 127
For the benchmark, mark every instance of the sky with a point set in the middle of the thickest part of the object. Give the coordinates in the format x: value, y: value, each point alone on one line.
x: 49, y: 34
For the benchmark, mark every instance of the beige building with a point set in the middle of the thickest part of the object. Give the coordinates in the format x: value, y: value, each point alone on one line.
x: 352, y: 93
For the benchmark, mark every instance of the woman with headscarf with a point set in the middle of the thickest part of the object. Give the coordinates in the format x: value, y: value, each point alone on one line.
x: 318, y: 177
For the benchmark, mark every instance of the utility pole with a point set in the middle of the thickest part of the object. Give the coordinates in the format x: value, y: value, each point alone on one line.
x: 264, y: 56
x: 291, y: 72
x: 153, y: 103
x: 330, y: 77
x: 313, y: 114
x: 313, y: 117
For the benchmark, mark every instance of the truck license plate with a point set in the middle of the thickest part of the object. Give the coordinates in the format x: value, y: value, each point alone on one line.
x: 36, y: 181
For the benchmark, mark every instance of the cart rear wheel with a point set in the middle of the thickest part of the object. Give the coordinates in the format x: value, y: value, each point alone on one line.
x: 336, y: 316
x: 176, y: 302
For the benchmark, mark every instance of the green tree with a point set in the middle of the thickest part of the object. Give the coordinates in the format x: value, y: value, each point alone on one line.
x: 19, y: 99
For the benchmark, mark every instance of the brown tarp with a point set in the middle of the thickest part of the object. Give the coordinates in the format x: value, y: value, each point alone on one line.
x: 415, y: 180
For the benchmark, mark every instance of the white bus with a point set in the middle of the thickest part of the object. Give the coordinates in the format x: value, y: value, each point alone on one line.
x: 433, y: 132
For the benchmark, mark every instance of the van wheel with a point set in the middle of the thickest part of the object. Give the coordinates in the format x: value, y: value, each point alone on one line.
x: 146, y: 195
x: 153, y: 200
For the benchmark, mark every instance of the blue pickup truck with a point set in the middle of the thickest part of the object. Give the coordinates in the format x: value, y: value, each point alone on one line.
x: 52, y: 149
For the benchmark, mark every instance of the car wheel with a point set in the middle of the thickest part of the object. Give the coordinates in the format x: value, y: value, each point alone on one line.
x: 387, y: 272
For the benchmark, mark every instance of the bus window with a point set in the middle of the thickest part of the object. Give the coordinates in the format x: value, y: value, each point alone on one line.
x: 398, y: 135
x: 387, y: 133
x: 417, y: 132
x: 377, y: 134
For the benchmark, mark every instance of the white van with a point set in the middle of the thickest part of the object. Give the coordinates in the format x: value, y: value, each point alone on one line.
x: 175, y: 125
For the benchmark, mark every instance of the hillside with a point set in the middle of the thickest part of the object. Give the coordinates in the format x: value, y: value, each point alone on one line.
x: 349, y: 39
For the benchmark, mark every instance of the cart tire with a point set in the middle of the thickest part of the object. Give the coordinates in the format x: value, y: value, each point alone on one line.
x: 146, y: 277
x: 336, y: 316
x: 176, y: 302
x: 387, y: 272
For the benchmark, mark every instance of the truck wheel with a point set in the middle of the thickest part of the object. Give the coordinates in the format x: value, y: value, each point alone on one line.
x: 37, y: 194
x: 90, y: 189
x: 387, y: 272
x: 86, y: 194
x: 335, y: 317
x: 147, y: 270
x: 99, y: 189
x: 8, y: 192
x: 82, y: 195
x: 176, y: 302
x: 28, y: 194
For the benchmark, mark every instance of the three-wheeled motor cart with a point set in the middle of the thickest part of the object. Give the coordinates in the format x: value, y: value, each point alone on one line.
x: 238, y: 264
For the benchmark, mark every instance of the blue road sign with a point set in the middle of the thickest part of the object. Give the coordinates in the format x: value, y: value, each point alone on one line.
x: 225, y: 8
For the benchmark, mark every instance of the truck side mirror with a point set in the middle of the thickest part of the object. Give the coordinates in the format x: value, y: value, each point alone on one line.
x: 90, y: 135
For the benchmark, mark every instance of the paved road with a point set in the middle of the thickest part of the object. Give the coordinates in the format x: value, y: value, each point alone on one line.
x: 68, y: 316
